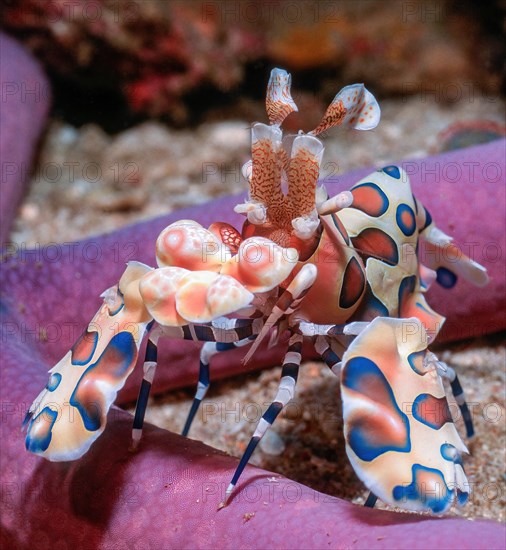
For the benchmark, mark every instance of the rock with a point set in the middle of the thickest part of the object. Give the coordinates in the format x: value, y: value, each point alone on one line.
x: 148, y: 53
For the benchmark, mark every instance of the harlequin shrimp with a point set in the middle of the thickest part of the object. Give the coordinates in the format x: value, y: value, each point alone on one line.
x: 341, y: 271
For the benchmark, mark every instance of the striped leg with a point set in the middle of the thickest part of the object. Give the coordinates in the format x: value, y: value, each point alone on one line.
x: 370, y: 500
x: 220, y: 330
x: 447, y: 372
x: 460, y: 398
x: 149, y: 368
x: 221, y: 335
x: 286, y: 391
x: 233, y: 331
x: 323, y: 349
x: 209, y: 349
x: 312, y: 330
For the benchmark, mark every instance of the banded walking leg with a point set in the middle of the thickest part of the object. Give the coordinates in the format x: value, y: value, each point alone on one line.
x: 229, y: 330
x: 209, y: 349
x: 460, y: 398
x: 329, y: 356
x: 445, y: 371
x: 219, y: 330
x: 149, y: 368
x: 370, y: 500
x: 286, y: 391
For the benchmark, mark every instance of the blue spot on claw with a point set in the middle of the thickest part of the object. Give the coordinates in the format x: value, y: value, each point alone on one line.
x: 392, y: 171
x: 436, y: 496
x: 445, y: 277
x: 54, y: 381
x: 38, y: 444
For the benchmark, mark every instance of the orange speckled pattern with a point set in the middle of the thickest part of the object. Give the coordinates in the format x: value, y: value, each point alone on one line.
x: 227, y: 234
x: 354, y: 106
x: 303, y: 170
x: 334, y: 116
x: 278, y: 102
x: 265, y: 184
